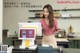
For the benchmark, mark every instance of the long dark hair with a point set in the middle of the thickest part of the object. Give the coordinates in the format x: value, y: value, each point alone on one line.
x: 50, y: 10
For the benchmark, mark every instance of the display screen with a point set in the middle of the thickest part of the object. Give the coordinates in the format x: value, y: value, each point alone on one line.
x: 27, y: 33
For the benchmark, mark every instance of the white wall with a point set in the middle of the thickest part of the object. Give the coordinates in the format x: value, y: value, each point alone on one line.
x: 65, y: 24
x: 1, y: 21
x: 12, y: 16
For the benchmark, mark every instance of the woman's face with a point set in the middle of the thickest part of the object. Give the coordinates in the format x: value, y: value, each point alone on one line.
x: 45, y: 12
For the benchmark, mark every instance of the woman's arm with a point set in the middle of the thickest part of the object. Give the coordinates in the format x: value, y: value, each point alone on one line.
x: 56, y: 26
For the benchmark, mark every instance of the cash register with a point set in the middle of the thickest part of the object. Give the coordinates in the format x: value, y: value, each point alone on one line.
x: 27, y: 33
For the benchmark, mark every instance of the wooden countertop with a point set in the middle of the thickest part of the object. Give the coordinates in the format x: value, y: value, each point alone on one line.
x: 62, y: 40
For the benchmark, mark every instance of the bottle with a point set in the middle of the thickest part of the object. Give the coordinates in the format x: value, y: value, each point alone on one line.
x: 70, y: 29
x: 64, y: 33
x: 15, y: 33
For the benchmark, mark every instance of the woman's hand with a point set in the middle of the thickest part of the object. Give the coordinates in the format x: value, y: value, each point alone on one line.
x: 56, y: 32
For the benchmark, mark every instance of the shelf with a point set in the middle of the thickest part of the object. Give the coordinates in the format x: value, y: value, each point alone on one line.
x: 39, y: 10
x: 75, y: 17
x: 33, y: 18
x: 70, y: 9
x: 56, y: 10
x: 58, y: 17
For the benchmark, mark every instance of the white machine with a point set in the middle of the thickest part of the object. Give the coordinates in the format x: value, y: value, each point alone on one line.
x: 28, y: 33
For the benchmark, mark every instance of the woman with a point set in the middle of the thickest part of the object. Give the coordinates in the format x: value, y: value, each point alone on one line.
x: 49, y: 25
